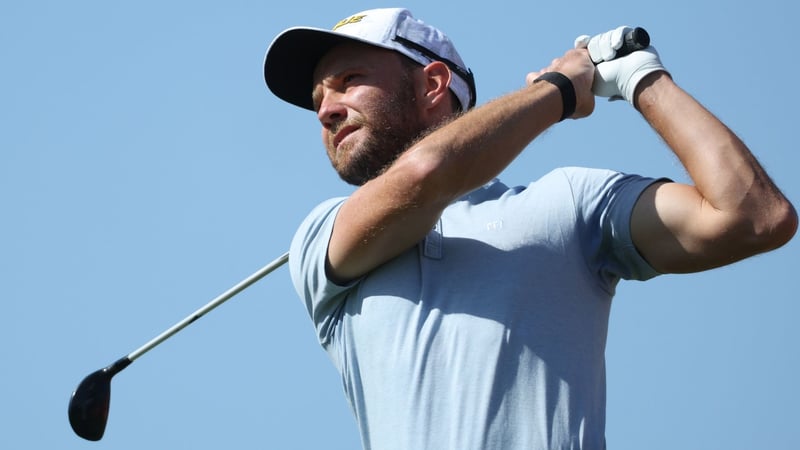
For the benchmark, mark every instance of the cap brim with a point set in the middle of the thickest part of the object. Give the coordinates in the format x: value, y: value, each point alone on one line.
x: 291, y: 59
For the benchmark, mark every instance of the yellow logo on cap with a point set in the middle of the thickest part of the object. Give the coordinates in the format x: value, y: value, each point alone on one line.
x: 349, y: 20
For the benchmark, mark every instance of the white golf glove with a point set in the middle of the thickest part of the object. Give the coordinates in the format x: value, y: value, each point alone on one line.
x: 618, y: 78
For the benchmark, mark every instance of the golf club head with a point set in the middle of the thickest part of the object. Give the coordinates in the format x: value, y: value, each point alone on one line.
x: 88, y: 406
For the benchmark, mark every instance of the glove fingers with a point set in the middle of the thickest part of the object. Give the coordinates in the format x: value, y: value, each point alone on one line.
x: 617, y: 78
x: 607, y: 50
x: 594, y: 50
x: 604, y: 46
x: 582, y: 41
x: 618, y: 36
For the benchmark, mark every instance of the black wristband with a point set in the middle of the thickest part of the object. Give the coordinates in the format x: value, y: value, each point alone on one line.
x: 567, y: 91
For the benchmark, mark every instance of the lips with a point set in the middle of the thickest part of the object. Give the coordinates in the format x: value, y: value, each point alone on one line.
x: 342, y: 134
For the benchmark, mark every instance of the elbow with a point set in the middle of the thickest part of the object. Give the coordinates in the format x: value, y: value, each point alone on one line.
x: 786, y: 227
x: 775, y: 227
x: 429, y: 175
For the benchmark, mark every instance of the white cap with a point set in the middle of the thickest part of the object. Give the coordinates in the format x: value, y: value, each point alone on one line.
x: 292, y: 57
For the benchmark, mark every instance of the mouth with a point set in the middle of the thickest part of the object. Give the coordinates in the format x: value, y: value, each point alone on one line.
x: 342, y: 134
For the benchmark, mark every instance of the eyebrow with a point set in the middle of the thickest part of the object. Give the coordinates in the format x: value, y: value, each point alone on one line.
x: 315, y: 92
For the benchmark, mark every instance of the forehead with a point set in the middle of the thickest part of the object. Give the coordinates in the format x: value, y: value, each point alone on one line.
x: 350, y: 54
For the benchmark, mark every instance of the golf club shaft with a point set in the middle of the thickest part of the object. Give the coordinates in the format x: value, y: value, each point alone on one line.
x: 222, y: 298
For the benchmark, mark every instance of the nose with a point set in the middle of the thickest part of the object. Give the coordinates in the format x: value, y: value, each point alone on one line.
x: 331, y: 109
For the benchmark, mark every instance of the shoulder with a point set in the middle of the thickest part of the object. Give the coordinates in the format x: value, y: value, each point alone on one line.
x: 320, y: 216
x: 307, y: 257
x: 311, y: 237
x: 593, y: 184
x: 575, y: 175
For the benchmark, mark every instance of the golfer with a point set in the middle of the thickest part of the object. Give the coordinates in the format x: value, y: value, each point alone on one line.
x: 462, y: 313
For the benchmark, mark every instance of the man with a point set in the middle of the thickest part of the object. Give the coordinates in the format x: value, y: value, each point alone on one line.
x: 465, y: 314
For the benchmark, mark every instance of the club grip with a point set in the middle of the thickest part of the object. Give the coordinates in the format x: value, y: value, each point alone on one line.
x: 636, y: 39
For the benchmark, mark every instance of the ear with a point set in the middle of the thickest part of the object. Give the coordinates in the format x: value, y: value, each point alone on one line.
x: 437, y: 86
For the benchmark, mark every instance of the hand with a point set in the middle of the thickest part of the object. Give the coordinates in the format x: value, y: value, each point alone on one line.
x: 618, y: 78
x: 576, y: 65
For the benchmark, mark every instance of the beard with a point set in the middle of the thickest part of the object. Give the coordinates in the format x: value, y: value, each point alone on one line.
x: 392, y: 128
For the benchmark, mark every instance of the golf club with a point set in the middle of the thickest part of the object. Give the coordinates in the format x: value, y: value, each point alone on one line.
x: 88, y: 406
x: 636, y: 39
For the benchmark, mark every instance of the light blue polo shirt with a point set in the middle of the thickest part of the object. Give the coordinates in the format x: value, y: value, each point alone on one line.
x: 491, y: 332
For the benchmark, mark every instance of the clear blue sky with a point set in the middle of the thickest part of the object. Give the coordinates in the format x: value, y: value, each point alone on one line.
x: 145, y: 168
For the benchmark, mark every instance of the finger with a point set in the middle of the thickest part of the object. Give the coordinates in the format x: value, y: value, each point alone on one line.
x: 607, y: 50
x: 531, y: 77
x: 618, y: 36
x: 582, y: 41
x: 594, y: 50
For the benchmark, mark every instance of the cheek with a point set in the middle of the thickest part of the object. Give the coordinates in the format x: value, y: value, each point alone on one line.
x: 326, y: 139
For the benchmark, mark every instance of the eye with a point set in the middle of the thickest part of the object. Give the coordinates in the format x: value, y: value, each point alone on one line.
x: 350, y: 77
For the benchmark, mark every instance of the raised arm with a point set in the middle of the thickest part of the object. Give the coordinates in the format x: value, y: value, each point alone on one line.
x: 395, y: 210
x: 732, y: 211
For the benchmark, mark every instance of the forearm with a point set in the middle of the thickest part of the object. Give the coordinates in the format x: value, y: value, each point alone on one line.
x: 738, y: 204
x: 392, y: 212
x: 473, y: 149
x: 720, y: 165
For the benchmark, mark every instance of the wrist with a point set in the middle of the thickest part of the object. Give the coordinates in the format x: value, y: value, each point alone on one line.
x: 647, y: 88
x: 567, y: 90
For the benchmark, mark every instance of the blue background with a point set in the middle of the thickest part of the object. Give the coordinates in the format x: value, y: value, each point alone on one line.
x: 145, y: 168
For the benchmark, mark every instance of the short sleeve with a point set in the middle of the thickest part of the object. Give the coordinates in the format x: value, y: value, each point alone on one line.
x: 307, y: 258
x: 604, y: 201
